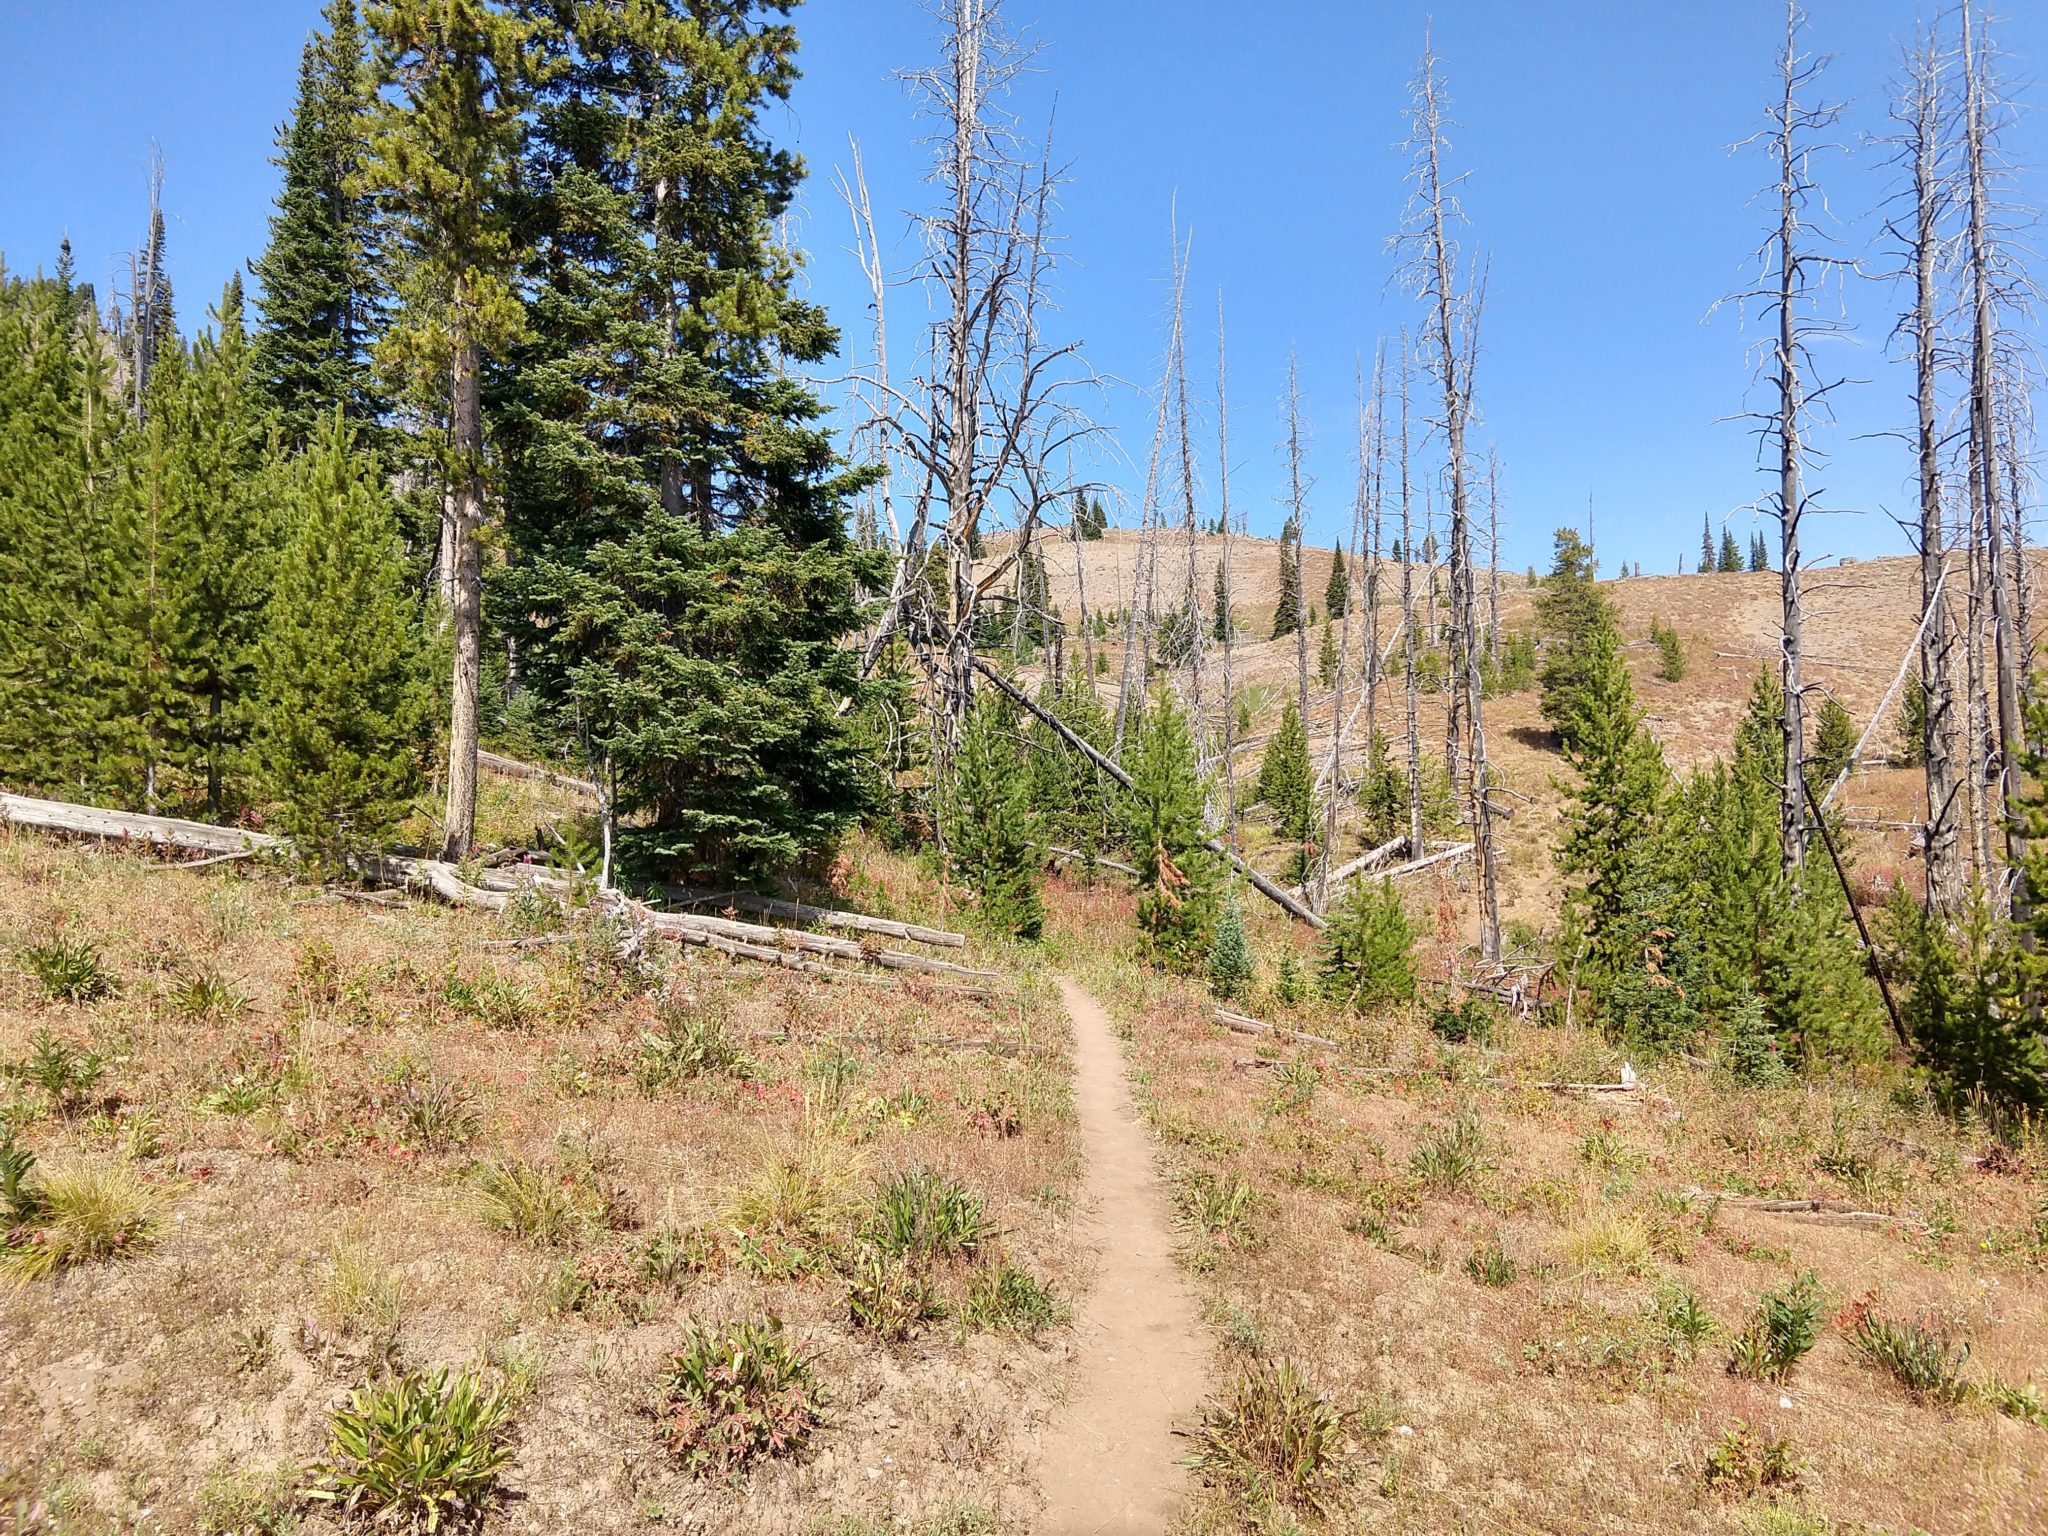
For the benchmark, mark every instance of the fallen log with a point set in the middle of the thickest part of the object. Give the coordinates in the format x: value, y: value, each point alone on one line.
x: 803, y: 940
x: 1364, y: 861
x: 129, y: 827
x: 1248, y: 1026
x: 1094, y: 858
x: 512, y: 768
x: 1839, y: 1213
x: 790, y: 961
x: 804, y: 912
x: 1416, y: 866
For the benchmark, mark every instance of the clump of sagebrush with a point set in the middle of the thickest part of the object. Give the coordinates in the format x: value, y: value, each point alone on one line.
x: 1274, y: 1435
x: 734, y: 1396
x: 1785, y: 1325
x: 1366, y: 954
x: 416, y: 1452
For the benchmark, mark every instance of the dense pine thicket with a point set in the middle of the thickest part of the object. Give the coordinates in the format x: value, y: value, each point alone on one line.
x: 523, y: 272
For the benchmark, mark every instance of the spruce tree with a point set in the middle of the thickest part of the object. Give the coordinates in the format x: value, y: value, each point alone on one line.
x: 1731, y: 557
x: 343, y: 727
x: 1759, y: 552
x: 1232, y: 970
x: 1383, y: 793
x: 1337, y: 591
x: 320, y: 297
x: 1326, y: 657
x: 1287, y: 610
x: 988, y: 835
x: 1706, y: 543
x: 1178, y: 875
x: 1221, y: 627
x: 1572, y: 612
x: 681, y: 574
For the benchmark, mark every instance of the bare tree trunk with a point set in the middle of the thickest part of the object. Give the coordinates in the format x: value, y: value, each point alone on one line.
x: 1979, y: 722
x: 465, y: 521
x: 1375, y: 491
x: 1229, y: 627
x: 1297, y: 500
x: 1921, y: 115
x: 1195, y: 631
x: 1081, y: 589
x: 1493, y: 556
x: 2017, y: 418
x: 1415, y: 830
x: 1984, y: 460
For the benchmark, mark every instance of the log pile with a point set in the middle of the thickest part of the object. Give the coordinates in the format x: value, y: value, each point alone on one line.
x: 492, y: 889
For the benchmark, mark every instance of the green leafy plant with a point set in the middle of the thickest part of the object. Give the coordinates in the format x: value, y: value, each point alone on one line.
x: 205, y: 996
x: 1742, y: 1461
x: 1469, y: 1022
x: 924, y: 1215
x: 1217, y: 1206
x: 890, y: 1297
x: 1453, y: 1156
x: 1007, y: 1299
x: 69, y: 970
x: 1490, y: 1265
x: 416, y: 1452
x: 64, y: 1073
x: 697, y: 1043
x: 733, y: 1396
x: 20, y: 1200
x: 1684, y: 1322
x: 1367, y: 949
x: 1783, y: 1328
x: 1922, y: 1356
x: 551, y: 1206
x: 2022, y: 1403
x: 1274, y: 1435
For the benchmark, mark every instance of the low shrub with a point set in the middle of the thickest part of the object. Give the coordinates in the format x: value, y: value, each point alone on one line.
x: 925, y: 1215
x: 1783, y: 1328
x: 734, y: 1396
x: 416, y: 1452
x: 1490, y: 1265
x: 69, y: 970
x: 687, y: 1045
x: 1469, y: 1022
x: 1921, y: 1356
x: 1744, y: 1462
x: 890, y: 1297
x: 1274, y: 1435
x: 1452, y: 1157
x: 1006, y: 1299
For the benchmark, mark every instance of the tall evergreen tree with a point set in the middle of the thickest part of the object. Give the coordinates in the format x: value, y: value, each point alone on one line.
x: 1834, y: 743
x: 1180, y: 878
x: 320, y: 297
x: 681, y: 575
x: 1572, y: 612
x: 1287, y: 784
x: 448, y: 114
x: 1221, y: 628
x: 1707, y: 545
x: 1336, y: 591
x: 343, y: 728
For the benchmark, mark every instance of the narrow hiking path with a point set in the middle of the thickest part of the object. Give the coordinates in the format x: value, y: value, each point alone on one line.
x: 1109, y: 1457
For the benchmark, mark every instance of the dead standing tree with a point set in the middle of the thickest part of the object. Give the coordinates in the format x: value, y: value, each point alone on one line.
x: 1793, y: 272
x: 1919, y: 108
x: 1225, y: 624
x: 992, y: 408
x: 1431, y: 255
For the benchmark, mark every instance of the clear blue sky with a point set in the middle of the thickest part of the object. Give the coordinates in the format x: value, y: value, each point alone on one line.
x: 1596, y: 132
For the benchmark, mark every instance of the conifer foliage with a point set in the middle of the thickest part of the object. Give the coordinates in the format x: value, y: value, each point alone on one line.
x: 1287, y: 785
x: 988, y: 832
x: 1178, y: 875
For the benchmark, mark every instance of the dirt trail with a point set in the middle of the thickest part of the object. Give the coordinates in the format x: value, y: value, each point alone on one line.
x: 1109, y: 1457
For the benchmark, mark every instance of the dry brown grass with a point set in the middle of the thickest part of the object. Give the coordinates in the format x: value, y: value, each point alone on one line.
x: 1583, y: 1395
x: 321, y: 1143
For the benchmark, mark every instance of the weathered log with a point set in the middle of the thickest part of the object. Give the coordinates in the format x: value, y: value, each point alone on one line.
x: 129, y: 827
x: 804, y: 912
x: 1455, y: 851
x: 803, y: 940
x: 1827, y: 1212
x: 1094, y: 858
x: 1248, y: 1026
x: 512, y: 768
x: 1363, y: 862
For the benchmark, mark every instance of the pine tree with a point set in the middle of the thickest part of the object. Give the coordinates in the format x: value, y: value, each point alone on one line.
x: 1759, y: 553
x: 1326, y: 657
x: 988, y: 835
x: 1178, y: 874
x: 1909, y: 748
x: 1287, y: 785
x: 320, y: 298
x: 343, y: 727
x: 1834, y: 744
x: 1221, y: 628
x: 1706, y: 543
x: 1337, y: 591
x: 1287, y: 610
x: 1383, y: 794
x: 449, y: 100
x: 1572, y: 612
x: 1367, y: 950
x: 1089, y: 514
x: 1731, y: 557
x: 681, y: 574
